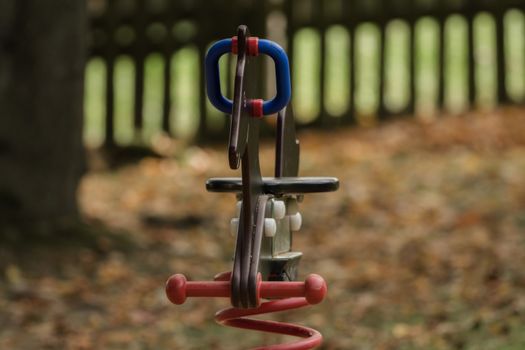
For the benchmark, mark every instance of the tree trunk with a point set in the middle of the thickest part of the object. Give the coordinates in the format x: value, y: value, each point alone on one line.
x: 42, y: 56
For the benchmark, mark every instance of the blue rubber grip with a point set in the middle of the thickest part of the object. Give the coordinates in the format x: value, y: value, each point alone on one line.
x: 282, y: 76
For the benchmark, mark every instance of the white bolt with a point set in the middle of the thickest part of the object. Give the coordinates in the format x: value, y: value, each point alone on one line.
x: 238, y: 209
x: 270, y: 227
x: 296, y: 221
x: 234, y: 226
x: 279, y: 210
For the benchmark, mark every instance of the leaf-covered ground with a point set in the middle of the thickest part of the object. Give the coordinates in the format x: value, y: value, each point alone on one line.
x: 423, y: 246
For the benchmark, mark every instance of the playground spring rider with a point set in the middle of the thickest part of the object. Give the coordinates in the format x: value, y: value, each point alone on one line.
x: 264, y: 265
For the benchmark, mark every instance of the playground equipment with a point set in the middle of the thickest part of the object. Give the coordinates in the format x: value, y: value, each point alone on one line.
x: 264, y: 267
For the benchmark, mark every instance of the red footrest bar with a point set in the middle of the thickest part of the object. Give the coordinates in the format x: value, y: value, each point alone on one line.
x: 313, y: 289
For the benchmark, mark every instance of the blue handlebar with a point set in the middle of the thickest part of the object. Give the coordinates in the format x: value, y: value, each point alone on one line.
x: 282, y: 76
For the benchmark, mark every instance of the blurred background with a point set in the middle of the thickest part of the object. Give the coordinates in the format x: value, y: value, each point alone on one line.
x: 107, y: 139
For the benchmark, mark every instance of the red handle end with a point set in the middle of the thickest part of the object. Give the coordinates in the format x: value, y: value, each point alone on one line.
x: 176, y: 289
x: 315, y: 289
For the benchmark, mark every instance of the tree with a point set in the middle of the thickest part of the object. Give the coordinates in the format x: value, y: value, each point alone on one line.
x: 43, y: 50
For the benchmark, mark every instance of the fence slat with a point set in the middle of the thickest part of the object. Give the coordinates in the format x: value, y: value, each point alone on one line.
x: 382, y: 112
x: 110, y: 51
x: 139, y: 93
x: 166, y: 99
x: 109, y: 139
x: 203, y: 127
x: 471, y: 60
x: 501, y: 58
x: 350, y: 117
x: 318, y: 14
x: 441, y: 62
x: 412, y: 66
x: 139, y: 58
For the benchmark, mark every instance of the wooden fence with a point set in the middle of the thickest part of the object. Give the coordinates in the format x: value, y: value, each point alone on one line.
x: 138, y: 28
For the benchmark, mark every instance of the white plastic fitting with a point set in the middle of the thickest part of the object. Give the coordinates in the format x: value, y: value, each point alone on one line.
x: 279, y: 209
x: 270, y: 227
x: 234, y: 226
x: 238, y: 207
x: 296, y: 221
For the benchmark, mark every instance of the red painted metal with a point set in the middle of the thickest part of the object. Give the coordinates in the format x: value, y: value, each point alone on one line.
x: 238, y: 318
x: 235, y: 45
x: 252, y: 48
x: 257, y: 108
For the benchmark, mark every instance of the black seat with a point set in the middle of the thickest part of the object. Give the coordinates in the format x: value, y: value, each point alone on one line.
x: 277, y: 186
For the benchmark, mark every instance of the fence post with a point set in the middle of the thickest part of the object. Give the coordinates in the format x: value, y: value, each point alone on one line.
x: 441, y: 64
x: 471, y: 61
x: 139, y: 53
x: 349, y: 17
x: 412, y: 57
x: 167, y: 51
x: 319, y: 23
x: 110, y: 56
x: 382, y: 112
x: 499, y: 17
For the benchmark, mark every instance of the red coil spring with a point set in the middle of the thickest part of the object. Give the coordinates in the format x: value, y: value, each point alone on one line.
x: 291, y: 295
